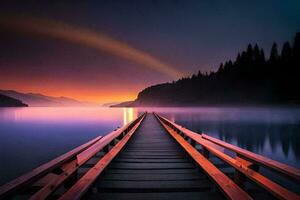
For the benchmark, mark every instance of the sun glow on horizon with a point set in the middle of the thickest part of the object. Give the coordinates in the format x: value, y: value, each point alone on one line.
x: 99, y: 89
x: 80, y: 94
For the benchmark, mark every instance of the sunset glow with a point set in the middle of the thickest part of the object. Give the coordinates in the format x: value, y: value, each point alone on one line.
x: 109, y: 52
x: 112, y: 99
x: 90, y: 39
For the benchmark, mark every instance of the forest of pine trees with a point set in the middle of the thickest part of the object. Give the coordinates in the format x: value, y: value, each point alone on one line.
x: 250, y: 79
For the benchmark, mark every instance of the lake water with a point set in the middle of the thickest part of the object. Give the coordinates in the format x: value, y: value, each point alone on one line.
x: 32, y: 136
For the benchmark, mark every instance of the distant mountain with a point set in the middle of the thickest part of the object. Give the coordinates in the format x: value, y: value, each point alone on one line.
x: 249, y: 80
x: 6, y: 101
x: 110, y: 104
x: 123, y: 104
x: 33, y: 99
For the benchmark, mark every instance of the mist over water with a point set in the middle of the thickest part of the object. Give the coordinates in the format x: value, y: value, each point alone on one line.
x: 30, y: 137
x: 273, y: 132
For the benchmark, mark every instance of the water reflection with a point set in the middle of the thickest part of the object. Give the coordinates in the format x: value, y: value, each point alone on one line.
x: 32, y: 136
x: 129, y: 114
x: 273, y: 132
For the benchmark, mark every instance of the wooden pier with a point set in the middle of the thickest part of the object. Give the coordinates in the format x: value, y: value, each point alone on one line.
x: 154, y: 158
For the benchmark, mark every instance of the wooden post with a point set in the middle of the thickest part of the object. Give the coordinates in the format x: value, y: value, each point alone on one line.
x: 113, y: 142
x: 247, y: 163
x: 124, y: 133
x: 255, y: 167
x: 106, y: 148
x: 193, y: 143
x: 239, y: 178
x: 71, y: 180
x: 205, y: 152
x: 185, y: 137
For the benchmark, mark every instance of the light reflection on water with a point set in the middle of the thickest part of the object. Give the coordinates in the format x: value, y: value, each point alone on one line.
x: 32, y: 136
x: 129, y: 114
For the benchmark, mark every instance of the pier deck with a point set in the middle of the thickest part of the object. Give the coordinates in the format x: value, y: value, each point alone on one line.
x: 152, y: 166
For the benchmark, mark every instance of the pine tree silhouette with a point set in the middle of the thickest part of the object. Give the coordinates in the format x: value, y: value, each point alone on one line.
x: 274, y: 53
x: 250, y: 79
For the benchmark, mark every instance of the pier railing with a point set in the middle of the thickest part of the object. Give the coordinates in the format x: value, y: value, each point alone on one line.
x: 41, y: 182
x: 245, y: 163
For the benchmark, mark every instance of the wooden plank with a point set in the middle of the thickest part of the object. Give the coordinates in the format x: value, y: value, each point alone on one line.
x: 161, y: 147
x: 144, y: 186
x: 156, y: 195
x: 53, y: 184
x: 227, y: 186
x: 43, y: 169
x: 154, y: 177
x: 153, y: 150
x: 45, y: 180
x: 267, y: 162
x: 274, y: 188
x: 152, y: 156
x: 151, y: 160
x: 152, y: 166
x: 151, y: 171
x: 81, y: 187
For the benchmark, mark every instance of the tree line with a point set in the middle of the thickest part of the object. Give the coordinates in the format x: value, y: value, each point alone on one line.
x: 250, y: 79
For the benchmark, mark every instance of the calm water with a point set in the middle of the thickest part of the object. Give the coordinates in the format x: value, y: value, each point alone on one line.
x: 32, y: 136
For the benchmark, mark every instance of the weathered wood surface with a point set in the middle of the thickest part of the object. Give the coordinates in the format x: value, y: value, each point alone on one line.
x: 241, y: 165
x: 153, y: 166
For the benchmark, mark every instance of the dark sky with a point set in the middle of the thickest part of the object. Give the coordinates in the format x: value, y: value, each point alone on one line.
x: 188, y: 35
